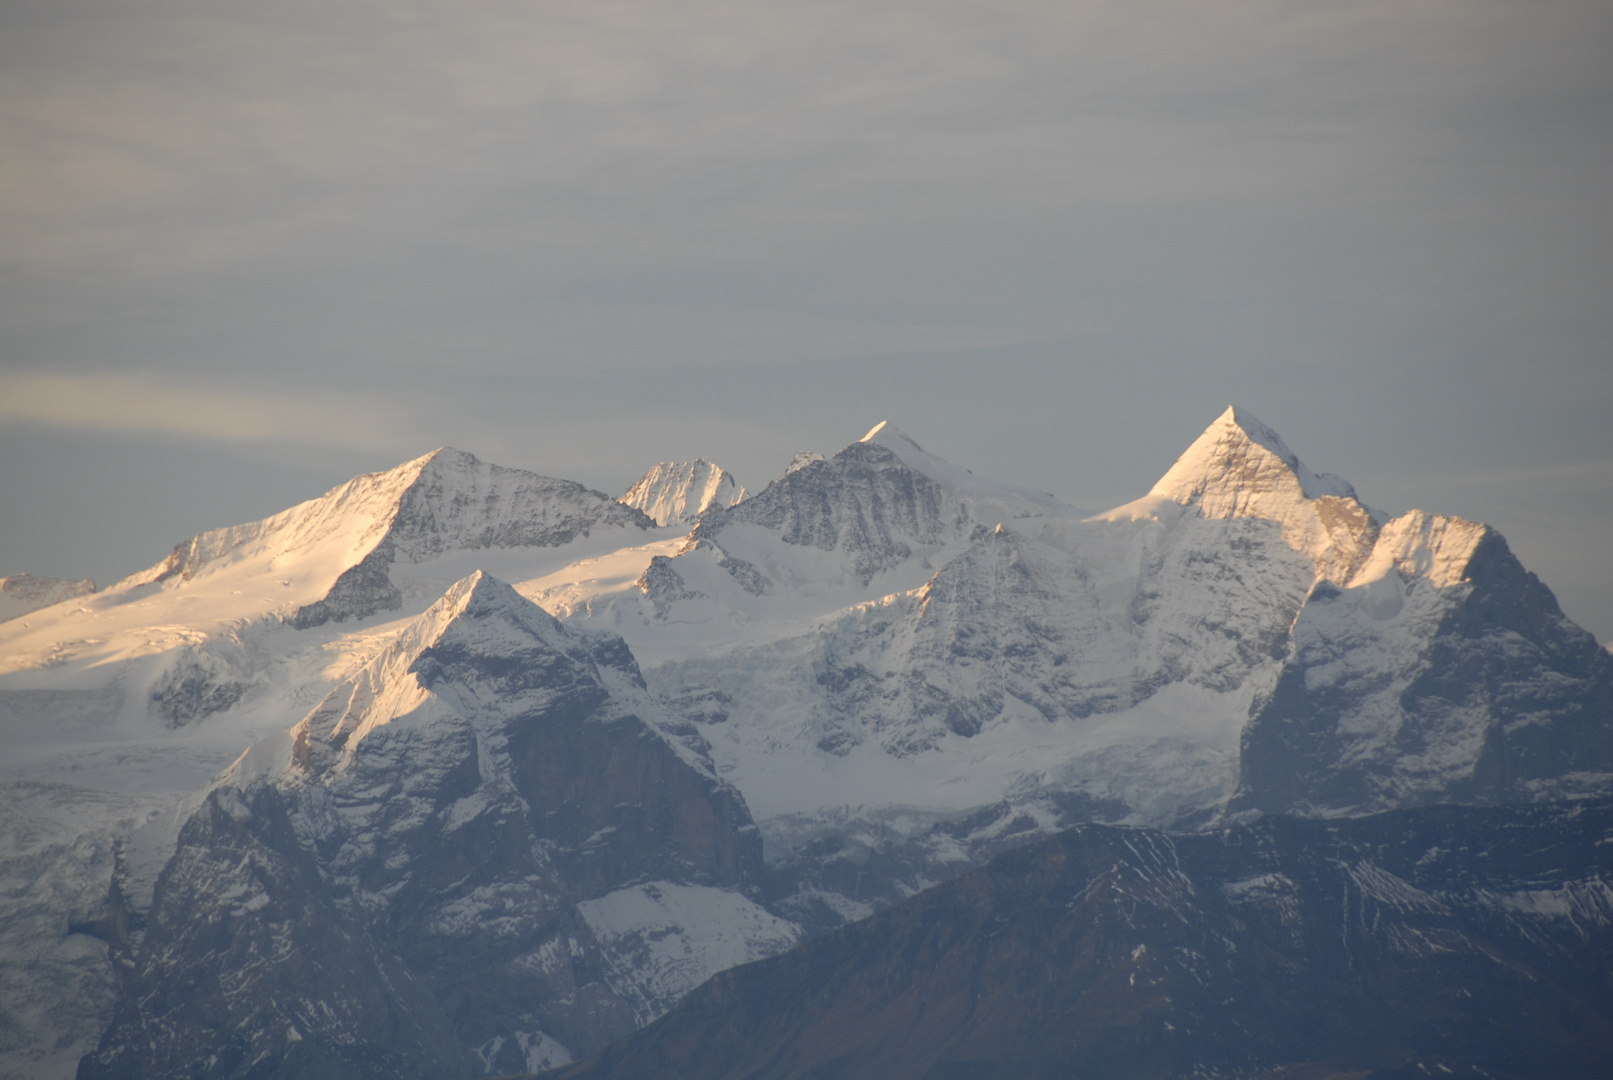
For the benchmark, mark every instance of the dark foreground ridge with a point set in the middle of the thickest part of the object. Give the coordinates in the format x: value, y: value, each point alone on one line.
x: 1447, y: 941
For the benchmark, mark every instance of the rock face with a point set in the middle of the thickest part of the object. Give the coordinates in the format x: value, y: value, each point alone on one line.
x: 675, y: 493
x: 439, y: 871
x: 22, y: 593
x: 837, y: 529
x: 865, y: 504
x: 250, y: 967
x: 1287, y: 948
x: 1444, y: 672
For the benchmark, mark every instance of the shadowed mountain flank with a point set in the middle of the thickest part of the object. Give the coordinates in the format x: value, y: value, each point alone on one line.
x: 1328, y: 949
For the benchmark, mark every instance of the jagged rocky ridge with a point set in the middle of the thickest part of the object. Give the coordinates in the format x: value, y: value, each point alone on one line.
x: 881, y: 505
x: 676, y: 493
x: 1439, y: 942
x: 451, y: 866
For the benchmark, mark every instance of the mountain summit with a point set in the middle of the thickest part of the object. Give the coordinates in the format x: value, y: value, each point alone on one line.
x: 877, y: 517
x: 1240, y: 468
x: 1239, y: 461
x: 349, y: 538
x: 675, y: 493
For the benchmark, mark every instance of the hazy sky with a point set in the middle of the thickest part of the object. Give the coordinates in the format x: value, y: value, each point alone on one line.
x: 247, y: 250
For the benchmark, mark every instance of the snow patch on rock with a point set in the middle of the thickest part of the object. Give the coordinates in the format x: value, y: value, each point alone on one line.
x: 663, y: 939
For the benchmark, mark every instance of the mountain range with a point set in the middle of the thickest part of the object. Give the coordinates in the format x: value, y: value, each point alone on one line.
x: 507, y: 767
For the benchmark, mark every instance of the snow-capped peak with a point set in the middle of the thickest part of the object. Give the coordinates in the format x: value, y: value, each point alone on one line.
x: 989, y: 501
x: 1237, y: 459
x: 481, y: 651
x: 333, y: 555
x: 354, y: 515
x: 478, y: 597
x: 676, y: 492
x: 1240, y: 468
x: 439, y: 501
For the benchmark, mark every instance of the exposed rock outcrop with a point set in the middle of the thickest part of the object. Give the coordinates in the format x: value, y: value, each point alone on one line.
x: 23, y: 593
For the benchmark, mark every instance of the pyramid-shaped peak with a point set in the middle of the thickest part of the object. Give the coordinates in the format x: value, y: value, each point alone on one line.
x: 481, y: 597
x: 450, y: 455
x: 1256, y: 432
x: 399, y: 477
x: 1239, y: 457
x: 677, y: 492
x: 450, y: 458
x: 481, y: 652
x: 481, y: 632
x: 480, y: 593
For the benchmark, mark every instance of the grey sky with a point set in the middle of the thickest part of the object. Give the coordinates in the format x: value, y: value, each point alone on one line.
x: 247, y: 250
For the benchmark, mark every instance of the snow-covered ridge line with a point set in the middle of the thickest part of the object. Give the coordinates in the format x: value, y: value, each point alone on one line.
x: 989, y: 497
x: 442, y: 500
x: 335, y: 558
x: 361, y: 509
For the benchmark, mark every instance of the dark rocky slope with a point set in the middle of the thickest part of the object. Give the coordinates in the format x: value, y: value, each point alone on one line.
x: 398, y: 886
x: 1408, y: 691
x: 1445, y: 941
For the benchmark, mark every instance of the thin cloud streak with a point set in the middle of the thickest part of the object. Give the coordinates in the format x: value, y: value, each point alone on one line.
x: 117, y: 403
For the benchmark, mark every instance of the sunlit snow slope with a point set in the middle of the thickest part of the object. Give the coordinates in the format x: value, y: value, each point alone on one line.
x: 675, y: 493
